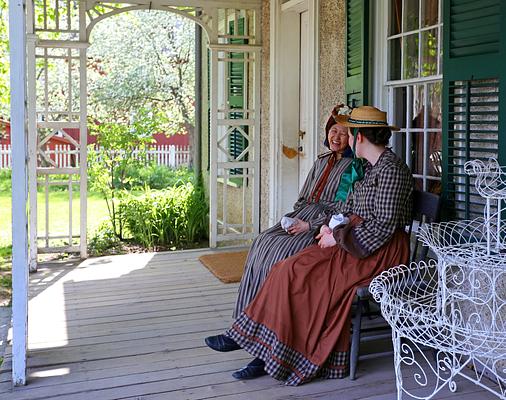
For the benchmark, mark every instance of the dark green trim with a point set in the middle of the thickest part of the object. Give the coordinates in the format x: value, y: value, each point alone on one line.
x: 357, y: 52
x: 474, y: 55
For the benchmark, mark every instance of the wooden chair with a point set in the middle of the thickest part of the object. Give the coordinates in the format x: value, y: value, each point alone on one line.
x: 426, y: 207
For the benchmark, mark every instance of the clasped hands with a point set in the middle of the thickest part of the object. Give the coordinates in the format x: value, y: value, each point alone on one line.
x: 325, y: 237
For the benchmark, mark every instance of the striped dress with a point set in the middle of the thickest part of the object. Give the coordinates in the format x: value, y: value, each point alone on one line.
x: 275, y: 244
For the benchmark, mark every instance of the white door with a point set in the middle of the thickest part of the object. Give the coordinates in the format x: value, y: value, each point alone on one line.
x: 304, y: 139
x: 294, y: 102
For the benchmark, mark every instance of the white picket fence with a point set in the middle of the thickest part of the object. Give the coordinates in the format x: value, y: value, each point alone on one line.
x: 5, y: 156
x: 64, y: 156
x: 169, y: 155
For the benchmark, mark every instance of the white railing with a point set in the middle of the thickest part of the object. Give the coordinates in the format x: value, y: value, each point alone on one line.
x: 64, y: 156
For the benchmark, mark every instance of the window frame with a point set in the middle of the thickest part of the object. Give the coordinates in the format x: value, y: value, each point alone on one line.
x: 383, y: 89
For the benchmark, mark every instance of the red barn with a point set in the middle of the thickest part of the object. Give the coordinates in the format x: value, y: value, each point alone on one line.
x: 177, y: 140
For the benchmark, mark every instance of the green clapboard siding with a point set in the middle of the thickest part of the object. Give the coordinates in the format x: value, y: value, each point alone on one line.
x: 357, y: 54
x: 474, y: 97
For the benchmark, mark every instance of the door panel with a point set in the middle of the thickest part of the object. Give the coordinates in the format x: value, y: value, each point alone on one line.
x: 304, y: 158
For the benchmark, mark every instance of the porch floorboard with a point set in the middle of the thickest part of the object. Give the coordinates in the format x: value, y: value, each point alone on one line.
x: 132, y: 327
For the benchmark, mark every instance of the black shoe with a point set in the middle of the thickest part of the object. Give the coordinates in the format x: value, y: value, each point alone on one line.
x: 222, y: 343
x: 253, y: 370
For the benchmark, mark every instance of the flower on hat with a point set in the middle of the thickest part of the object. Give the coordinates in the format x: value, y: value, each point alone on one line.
x: 344, y: 110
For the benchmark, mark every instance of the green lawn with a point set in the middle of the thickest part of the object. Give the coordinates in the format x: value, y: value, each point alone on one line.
x: 58, y: 214
x: 58, y: 224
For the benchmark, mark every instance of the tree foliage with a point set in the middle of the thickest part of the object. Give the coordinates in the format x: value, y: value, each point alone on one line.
x: 138, y: 59
x: 143, y: 59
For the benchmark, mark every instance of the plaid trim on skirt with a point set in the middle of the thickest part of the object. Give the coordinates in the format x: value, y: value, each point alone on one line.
x: 299, y: 323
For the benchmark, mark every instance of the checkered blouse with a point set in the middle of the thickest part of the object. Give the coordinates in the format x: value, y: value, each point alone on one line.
x: 383, y: 199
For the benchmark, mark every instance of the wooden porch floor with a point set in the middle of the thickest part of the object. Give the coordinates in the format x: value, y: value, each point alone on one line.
x: 132, y: 327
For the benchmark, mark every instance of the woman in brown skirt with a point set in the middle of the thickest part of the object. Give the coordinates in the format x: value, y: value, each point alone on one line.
x: 297, y: 327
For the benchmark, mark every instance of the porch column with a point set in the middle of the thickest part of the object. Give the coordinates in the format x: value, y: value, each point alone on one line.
x: 17, y: 38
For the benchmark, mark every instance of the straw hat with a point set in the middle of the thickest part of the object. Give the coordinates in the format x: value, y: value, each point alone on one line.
x: 365, y: 116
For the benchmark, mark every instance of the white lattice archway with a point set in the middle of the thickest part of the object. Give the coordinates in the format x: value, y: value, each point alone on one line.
x: 36, y: 117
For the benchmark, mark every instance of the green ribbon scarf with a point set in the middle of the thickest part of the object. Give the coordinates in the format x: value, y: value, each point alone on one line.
x: 353, y: 173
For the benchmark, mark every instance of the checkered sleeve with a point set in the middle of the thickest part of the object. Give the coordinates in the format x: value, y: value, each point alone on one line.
x: 392, y: 209
x: 346, y: 208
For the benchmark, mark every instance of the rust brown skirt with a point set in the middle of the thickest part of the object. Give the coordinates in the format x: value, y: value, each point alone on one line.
x: 299, y: 321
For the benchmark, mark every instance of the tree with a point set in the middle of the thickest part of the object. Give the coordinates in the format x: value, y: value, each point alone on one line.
x: 143, y: 59
x: 109, y: 164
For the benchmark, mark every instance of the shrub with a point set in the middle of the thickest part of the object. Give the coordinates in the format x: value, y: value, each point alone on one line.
x: 174, y: 217
x: 157, y: 177
x: 5, y: 180
x: 108, y: 165
x: 5, y: 253
x: 6, y: 281
x: 102, y: 240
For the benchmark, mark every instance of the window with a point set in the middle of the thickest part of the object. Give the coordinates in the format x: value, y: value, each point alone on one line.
x: 414, y: 82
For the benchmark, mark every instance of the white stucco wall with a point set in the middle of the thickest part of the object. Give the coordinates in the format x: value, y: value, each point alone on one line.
x: 265, y: 123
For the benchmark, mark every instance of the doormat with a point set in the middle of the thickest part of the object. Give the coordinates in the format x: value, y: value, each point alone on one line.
x: 227, y: 266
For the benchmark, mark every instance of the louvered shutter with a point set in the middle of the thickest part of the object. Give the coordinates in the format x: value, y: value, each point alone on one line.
x: 236, y: 142
x: 473, y: 97
x: 357, y: 52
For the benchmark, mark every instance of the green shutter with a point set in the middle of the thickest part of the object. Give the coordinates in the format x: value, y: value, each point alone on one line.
x: 357, y: 52
x: 236, y: 141
x: 474, y: 97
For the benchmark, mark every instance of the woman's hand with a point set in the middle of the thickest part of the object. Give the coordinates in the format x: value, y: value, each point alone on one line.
x: 324, y: 229
x: 326, y: 239
x: 298, y: 226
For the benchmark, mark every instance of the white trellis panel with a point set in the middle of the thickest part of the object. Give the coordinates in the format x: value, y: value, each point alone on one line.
x: 234, y: 183
x: 56, y: 55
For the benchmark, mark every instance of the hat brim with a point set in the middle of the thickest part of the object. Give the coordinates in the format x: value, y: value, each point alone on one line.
x: 343, y: 120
